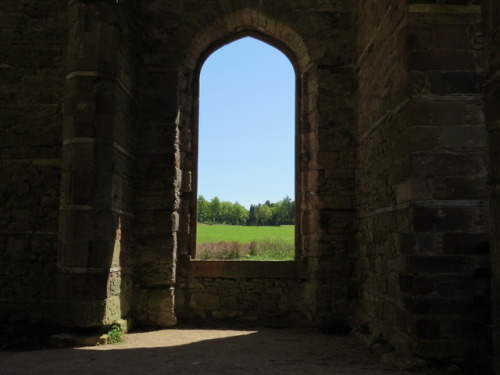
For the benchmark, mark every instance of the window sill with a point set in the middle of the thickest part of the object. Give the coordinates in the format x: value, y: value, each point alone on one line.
x: 247, y: 269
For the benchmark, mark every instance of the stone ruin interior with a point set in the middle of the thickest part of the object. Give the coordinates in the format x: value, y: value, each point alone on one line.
x: 397, y: 168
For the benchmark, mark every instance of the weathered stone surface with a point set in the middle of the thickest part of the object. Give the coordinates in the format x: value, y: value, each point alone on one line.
x: 98, y: 151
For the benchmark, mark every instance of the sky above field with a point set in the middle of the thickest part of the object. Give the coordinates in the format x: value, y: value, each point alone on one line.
x: 247, y: 124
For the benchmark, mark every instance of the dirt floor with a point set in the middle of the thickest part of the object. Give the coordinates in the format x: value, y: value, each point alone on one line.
x: 211, y: 351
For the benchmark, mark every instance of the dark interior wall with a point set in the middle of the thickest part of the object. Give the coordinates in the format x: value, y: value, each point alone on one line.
x: 445, y: 283
x: 422, y: 187
x: 382, y: 159
x: 491, y: 11
x: 33, y: 40
x: 111, y: 183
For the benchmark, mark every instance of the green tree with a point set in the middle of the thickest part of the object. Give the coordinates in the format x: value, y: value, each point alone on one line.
x: 252, y: 218
x: 226, y: 209
x: 263, y: 214
x: 239, y: 214
x: 203, y: 211
x: 215, y: 210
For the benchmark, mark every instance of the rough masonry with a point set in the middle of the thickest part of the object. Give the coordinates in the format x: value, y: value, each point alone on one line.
x: 396, y: 168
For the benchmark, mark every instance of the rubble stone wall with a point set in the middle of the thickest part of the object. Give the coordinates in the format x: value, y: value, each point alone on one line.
x: 98, y: 156
x: 33, y: 42
x: 258, y: 291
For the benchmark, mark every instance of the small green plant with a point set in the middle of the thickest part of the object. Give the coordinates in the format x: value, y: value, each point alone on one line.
x: 115, y: 334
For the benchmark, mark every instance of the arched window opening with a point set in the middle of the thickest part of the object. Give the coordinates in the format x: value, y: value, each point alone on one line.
x: 246, y: 154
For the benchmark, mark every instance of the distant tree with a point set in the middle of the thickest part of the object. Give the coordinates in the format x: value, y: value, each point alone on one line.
x: 215, y: 210
x: 279, y: 213
x: 252, y: 218
x: 263, y: 214
x: 203, y: 212
x: 289, y: 210
x: 239, y: 215
x: 223, y: 212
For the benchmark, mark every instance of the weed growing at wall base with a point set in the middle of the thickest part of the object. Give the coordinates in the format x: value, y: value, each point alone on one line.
x: 115, y: 334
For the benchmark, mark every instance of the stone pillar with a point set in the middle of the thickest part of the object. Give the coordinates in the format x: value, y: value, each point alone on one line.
x: 94, y: 212
x: 159, y: 174
x: 445, y: 280
x: 491, y: 9
x: 422, y: 183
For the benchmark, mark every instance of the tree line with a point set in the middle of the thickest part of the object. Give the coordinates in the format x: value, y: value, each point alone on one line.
x: 222, y: 212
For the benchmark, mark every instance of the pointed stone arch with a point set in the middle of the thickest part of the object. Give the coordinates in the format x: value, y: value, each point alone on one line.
x: 234, y: 26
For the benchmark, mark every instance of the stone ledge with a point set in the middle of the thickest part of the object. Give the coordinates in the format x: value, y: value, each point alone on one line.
x: 444, y: 8
x: 244, y: 269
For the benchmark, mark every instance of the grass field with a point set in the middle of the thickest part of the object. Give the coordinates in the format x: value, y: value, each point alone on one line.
x: 245, y: 242
x: 243, y: 234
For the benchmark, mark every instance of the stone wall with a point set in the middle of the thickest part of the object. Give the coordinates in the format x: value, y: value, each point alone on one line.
x: 383, y: 153
x: 33, y: 40
x: 423, y: 211
x: 98, y: 169
x: 263, y: 292
x: 173, y: 57
x: 492, y: 104
x: 446, y: 281
x: 98, y: 205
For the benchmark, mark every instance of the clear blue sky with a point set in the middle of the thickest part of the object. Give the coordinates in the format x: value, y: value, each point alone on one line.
x: 247, y: 124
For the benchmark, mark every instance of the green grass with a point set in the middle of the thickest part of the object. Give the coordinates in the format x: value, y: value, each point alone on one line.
x: 245, y: 242
x: 243, y: 234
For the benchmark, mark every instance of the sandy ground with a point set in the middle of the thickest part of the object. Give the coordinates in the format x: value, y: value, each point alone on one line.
x: 208, y: 351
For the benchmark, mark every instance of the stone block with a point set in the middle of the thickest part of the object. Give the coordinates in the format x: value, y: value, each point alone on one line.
x: 157, y: 306
x: 448, y: 164
x: 494, y: 157
x: 438, y: 264
x: 157, y: 273
x: 461, y: 329
x: 416, y: 285
x: 425, y: 138
x: 412, y: 189
x: 442, y: 60
x: 423, y: 243
x: 437, y: 113
x: 205, y: 301
x: 450, y: 219
x: 466, y: 243
x: 451, y: 36
x: 448, y: 83
x: 429, y: 329
x: 463, y: 187
x: 84, y: 286
x: 91, y: 313
x: 229, y: 304
x: 464, y: 136
x: 491, y: 107
x: 456, y: 285
x: 439, y: 306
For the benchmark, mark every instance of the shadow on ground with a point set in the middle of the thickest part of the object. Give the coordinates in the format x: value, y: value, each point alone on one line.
x: 209, y: 351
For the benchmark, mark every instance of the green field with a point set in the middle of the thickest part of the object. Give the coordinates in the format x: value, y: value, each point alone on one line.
x: 245, y: 242
x: 243, y: 234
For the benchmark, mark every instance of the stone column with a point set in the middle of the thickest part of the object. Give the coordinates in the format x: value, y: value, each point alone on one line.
x: 491, y: 10
x: 93, y: 208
